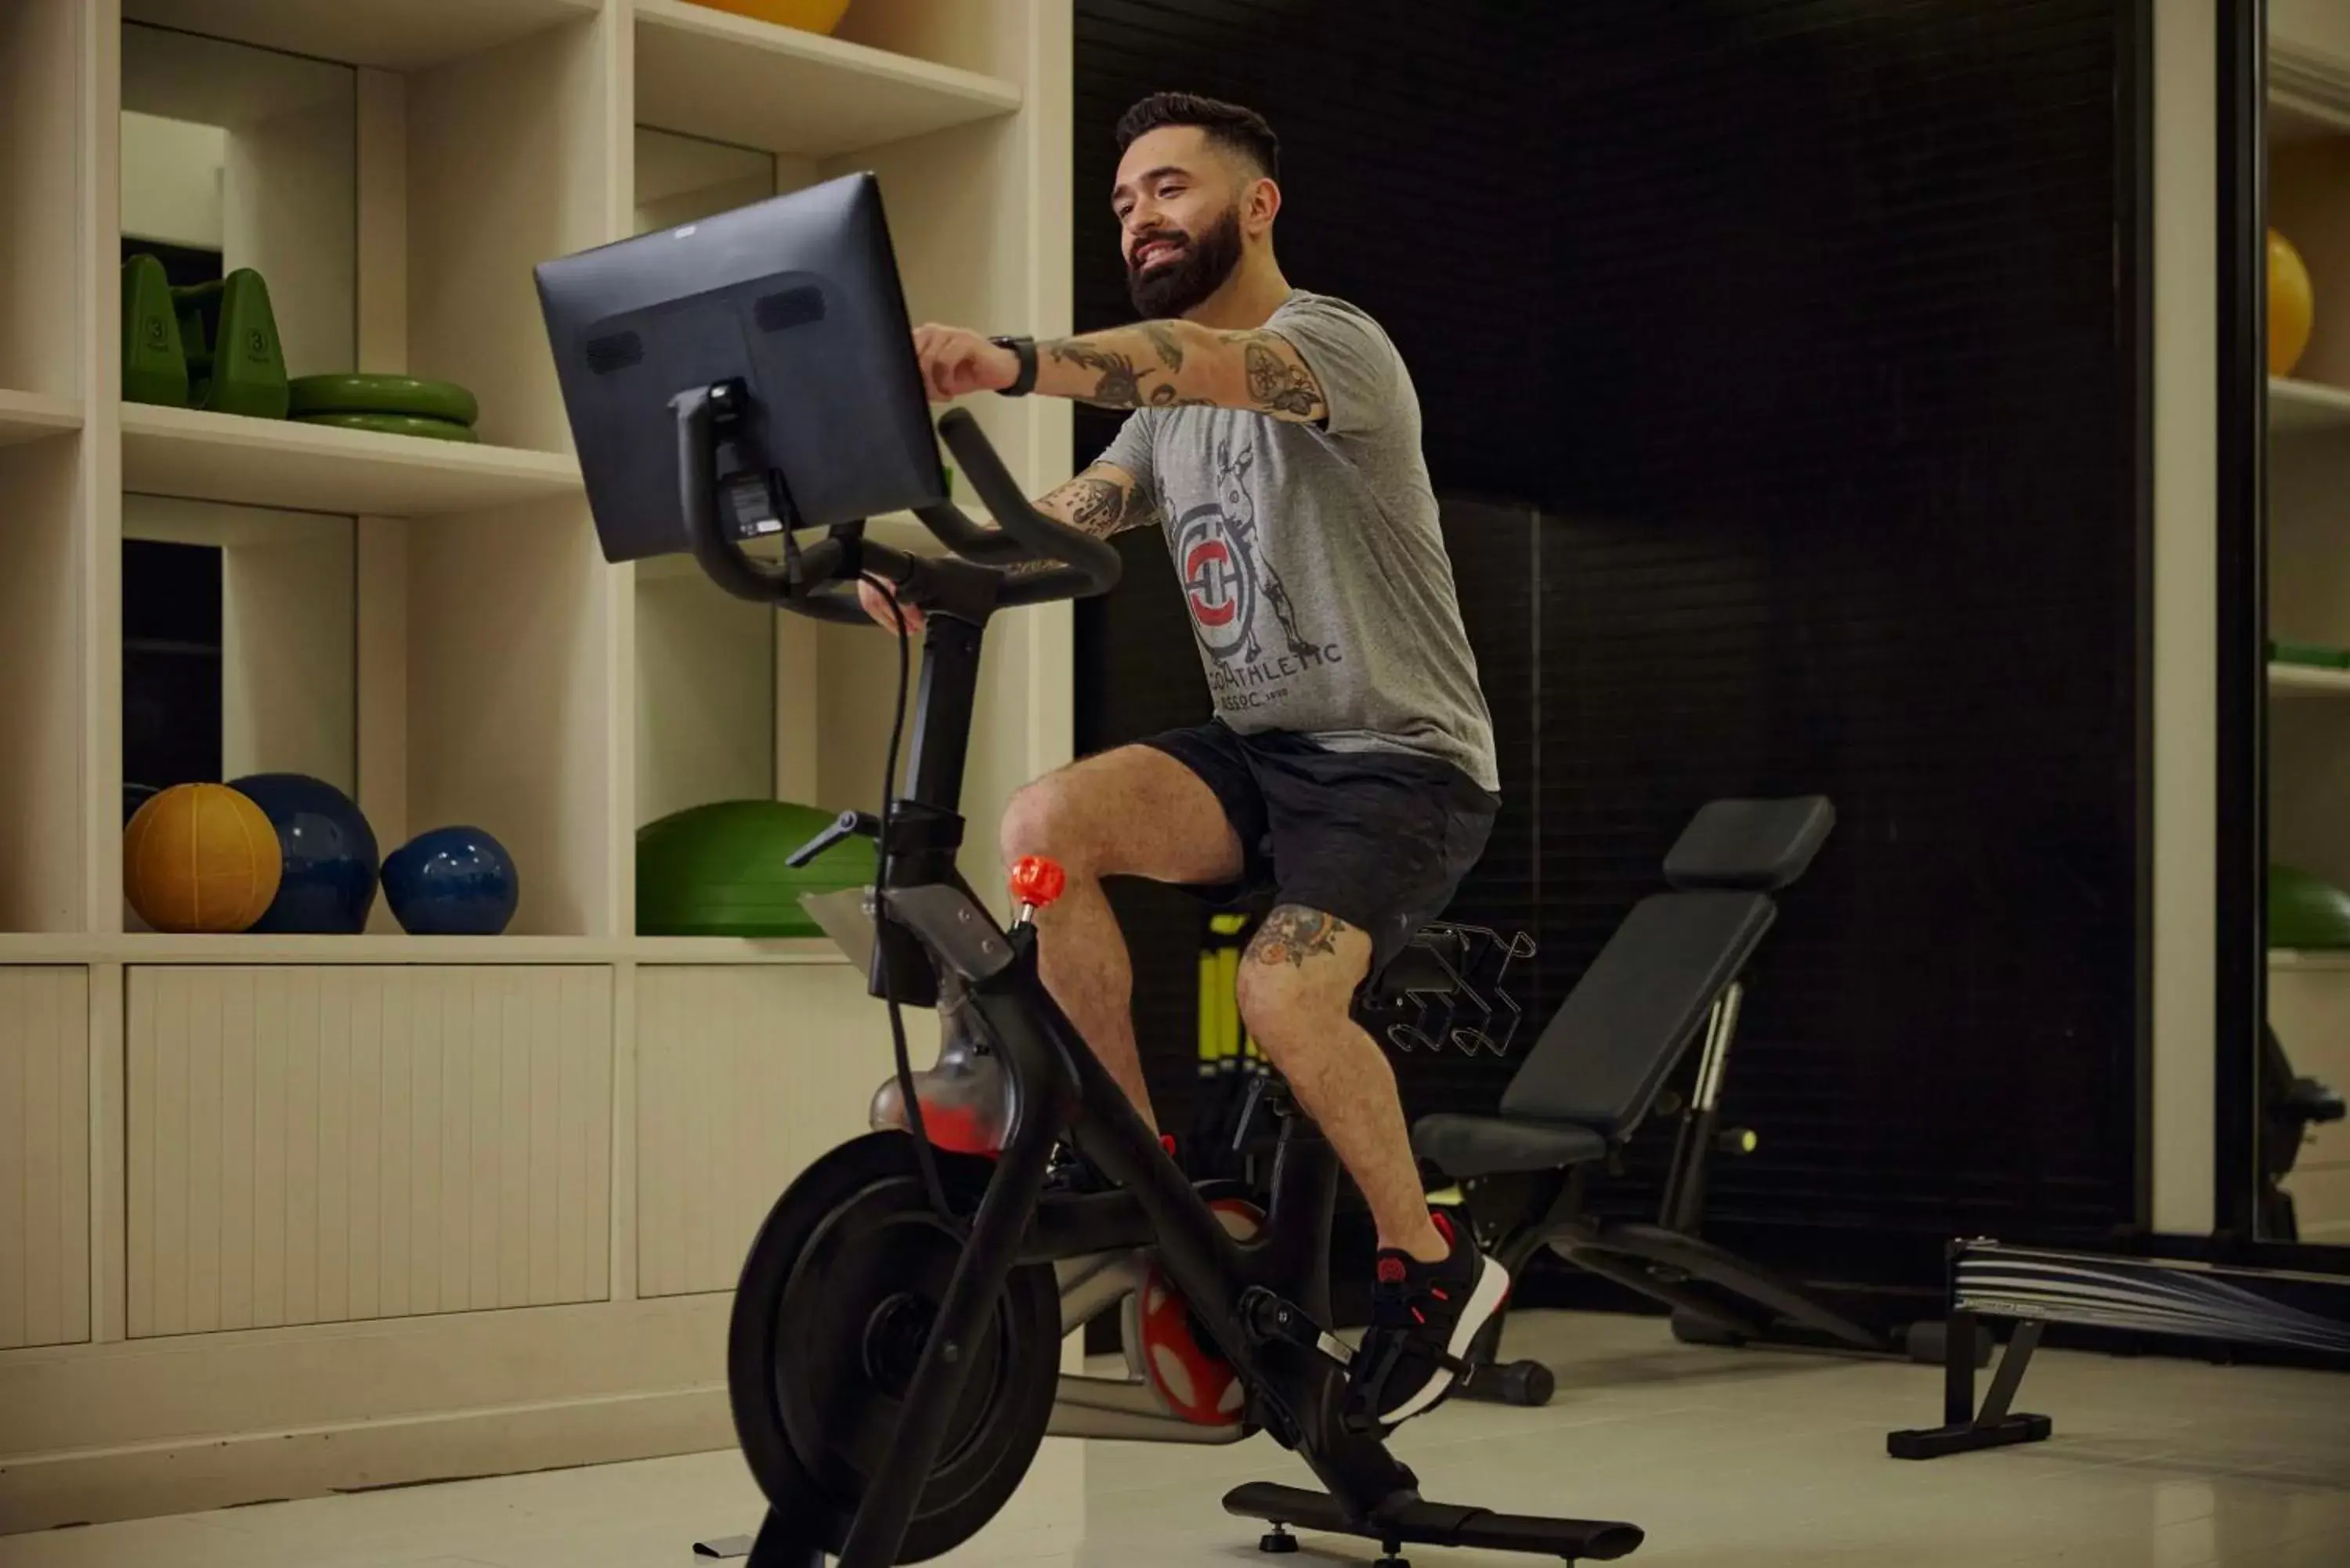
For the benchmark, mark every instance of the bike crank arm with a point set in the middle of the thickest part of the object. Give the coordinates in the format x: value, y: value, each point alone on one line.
x: 1269, y: 1317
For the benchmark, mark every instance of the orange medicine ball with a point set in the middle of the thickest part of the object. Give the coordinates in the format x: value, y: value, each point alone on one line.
x: 200, y: 857
x: 2292, y: 309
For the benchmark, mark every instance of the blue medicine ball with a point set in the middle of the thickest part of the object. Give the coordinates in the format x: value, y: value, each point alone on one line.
x: 452, y: 882
x: 330, y: 856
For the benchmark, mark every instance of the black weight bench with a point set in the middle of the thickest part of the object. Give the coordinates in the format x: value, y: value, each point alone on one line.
x: 1667, y: 980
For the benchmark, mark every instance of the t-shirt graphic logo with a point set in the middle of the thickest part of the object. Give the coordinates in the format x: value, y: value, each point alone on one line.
x: 1217, y: 581
x: 1226, y: 573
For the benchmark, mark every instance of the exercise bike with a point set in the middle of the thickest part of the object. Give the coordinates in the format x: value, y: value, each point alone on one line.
x: 893, y: 1354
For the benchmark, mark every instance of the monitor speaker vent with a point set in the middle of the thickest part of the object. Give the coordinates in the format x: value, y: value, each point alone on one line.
x: 788, y: 308
x: 615, y: 351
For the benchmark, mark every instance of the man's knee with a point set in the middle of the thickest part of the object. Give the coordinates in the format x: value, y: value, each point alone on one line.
x: 1052, y: 817
x: 1036, y: 821
x: 1281, y: 1003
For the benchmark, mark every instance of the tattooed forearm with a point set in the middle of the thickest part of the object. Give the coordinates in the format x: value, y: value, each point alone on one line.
x: 1116, y: 383
x: 1169, y: 346
x: 1102, y: 500
x: 1293, y: 933
x: 1095, y: 505
x: 1181, y: 365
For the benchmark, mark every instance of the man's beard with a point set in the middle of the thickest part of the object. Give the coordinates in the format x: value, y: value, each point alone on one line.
x: 1198, y: 269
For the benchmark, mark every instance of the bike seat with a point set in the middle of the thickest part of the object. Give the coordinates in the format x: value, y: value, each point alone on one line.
x: 1464, y: 1146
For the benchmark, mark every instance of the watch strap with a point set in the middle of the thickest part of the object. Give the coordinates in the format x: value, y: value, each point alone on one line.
x: 1025, y: 382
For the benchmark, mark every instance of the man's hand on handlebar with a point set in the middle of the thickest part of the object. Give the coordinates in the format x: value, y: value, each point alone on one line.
x: 877, y: 605
x: 957, y: 362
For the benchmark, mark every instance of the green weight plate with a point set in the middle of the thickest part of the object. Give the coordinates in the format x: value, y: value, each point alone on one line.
x: 359, y: 394
x: 391, y: 424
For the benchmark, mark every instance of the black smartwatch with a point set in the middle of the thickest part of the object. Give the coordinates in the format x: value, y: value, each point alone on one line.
x: 1024, y: 382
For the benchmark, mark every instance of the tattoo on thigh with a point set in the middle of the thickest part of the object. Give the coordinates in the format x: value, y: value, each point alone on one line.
x: 1293, y: 933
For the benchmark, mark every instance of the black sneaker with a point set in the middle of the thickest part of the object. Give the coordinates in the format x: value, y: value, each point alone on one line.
x: 1424, y: 1317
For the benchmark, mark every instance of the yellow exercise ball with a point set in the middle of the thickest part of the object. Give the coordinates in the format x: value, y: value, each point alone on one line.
x: 807, y: 16
x: 200, y: 858
x: 2292, y: 310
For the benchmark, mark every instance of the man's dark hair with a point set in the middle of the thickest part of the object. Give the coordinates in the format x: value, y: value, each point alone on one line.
x: 1228, y: 125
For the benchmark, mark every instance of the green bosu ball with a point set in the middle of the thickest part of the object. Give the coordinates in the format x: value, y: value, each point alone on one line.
x: 2306, y: 912
x: 718, y: 871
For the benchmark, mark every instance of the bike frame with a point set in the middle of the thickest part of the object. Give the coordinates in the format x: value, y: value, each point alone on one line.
x: 1264, y: 1301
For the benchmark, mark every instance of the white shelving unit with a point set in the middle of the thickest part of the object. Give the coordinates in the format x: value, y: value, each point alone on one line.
x: 200, y: 456
x: 2309, y: 563
x: 304, y: 1166
x: 2299, y: 680
x: 2305, y: 408
x: 392, y: 35
x: 29, y: 416
x: 725, y: 78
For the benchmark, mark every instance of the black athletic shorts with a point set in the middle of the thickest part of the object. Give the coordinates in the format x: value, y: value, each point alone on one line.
x: 1380, y: 839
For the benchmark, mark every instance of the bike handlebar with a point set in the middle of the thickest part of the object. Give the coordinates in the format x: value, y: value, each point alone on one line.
x: 1092, y: 564
x: 817, y: 583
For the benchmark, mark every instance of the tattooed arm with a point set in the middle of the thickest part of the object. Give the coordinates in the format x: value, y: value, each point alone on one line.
x: 1178, y: 364
x: 1102, y: 500
x: 1150, y: 365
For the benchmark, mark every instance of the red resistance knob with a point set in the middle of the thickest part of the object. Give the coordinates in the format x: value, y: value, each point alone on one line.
x: 1036, y: 882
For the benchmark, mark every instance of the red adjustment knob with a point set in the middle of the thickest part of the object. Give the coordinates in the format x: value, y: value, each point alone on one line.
x: 1036, y: 881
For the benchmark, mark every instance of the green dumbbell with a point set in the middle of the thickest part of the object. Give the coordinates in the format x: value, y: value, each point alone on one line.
x: 246, y: 370
x: 154, y: 366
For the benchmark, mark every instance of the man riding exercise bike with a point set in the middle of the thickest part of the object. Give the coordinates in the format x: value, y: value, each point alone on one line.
x: 895, y: 1336
x: 1349, y: 769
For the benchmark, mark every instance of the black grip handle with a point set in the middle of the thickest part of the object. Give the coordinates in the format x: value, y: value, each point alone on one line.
x: 968, y: 539
x: 1096, y: 563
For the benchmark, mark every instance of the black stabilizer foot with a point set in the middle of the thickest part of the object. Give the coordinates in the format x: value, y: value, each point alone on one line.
x: 1933, y: 1442
x: 1277, y: 1540
x: 1407, y: 1518
x: 1520, y: 1383
x: 1391, y: 1560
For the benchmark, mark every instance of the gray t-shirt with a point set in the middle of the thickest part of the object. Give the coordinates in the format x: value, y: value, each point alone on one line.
x: 1319, y: 588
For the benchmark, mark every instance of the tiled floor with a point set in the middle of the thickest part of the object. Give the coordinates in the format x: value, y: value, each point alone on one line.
x: 1741, y: 1458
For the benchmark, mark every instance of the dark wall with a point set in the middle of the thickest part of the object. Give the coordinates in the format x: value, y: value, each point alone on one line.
x: 1778, y: 365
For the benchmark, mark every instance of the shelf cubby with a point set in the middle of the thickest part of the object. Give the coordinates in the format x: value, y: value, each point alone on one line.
x: 2309, y: 204
x: 734, y: 701
x: 41, y: 320
x: 483, y: 607
x: 732, y: 78
x: 392, y: 35
x: 43, y: 886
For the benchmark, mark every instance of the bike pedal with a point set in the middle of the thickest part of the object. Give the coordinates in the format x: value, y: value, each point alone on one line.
x: 1269, y: 1317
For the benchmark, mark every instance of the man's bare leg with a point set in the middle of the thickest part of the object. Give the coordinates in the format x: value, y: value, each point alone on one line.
x: 1296, y: 993
x: 1133, y: 812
